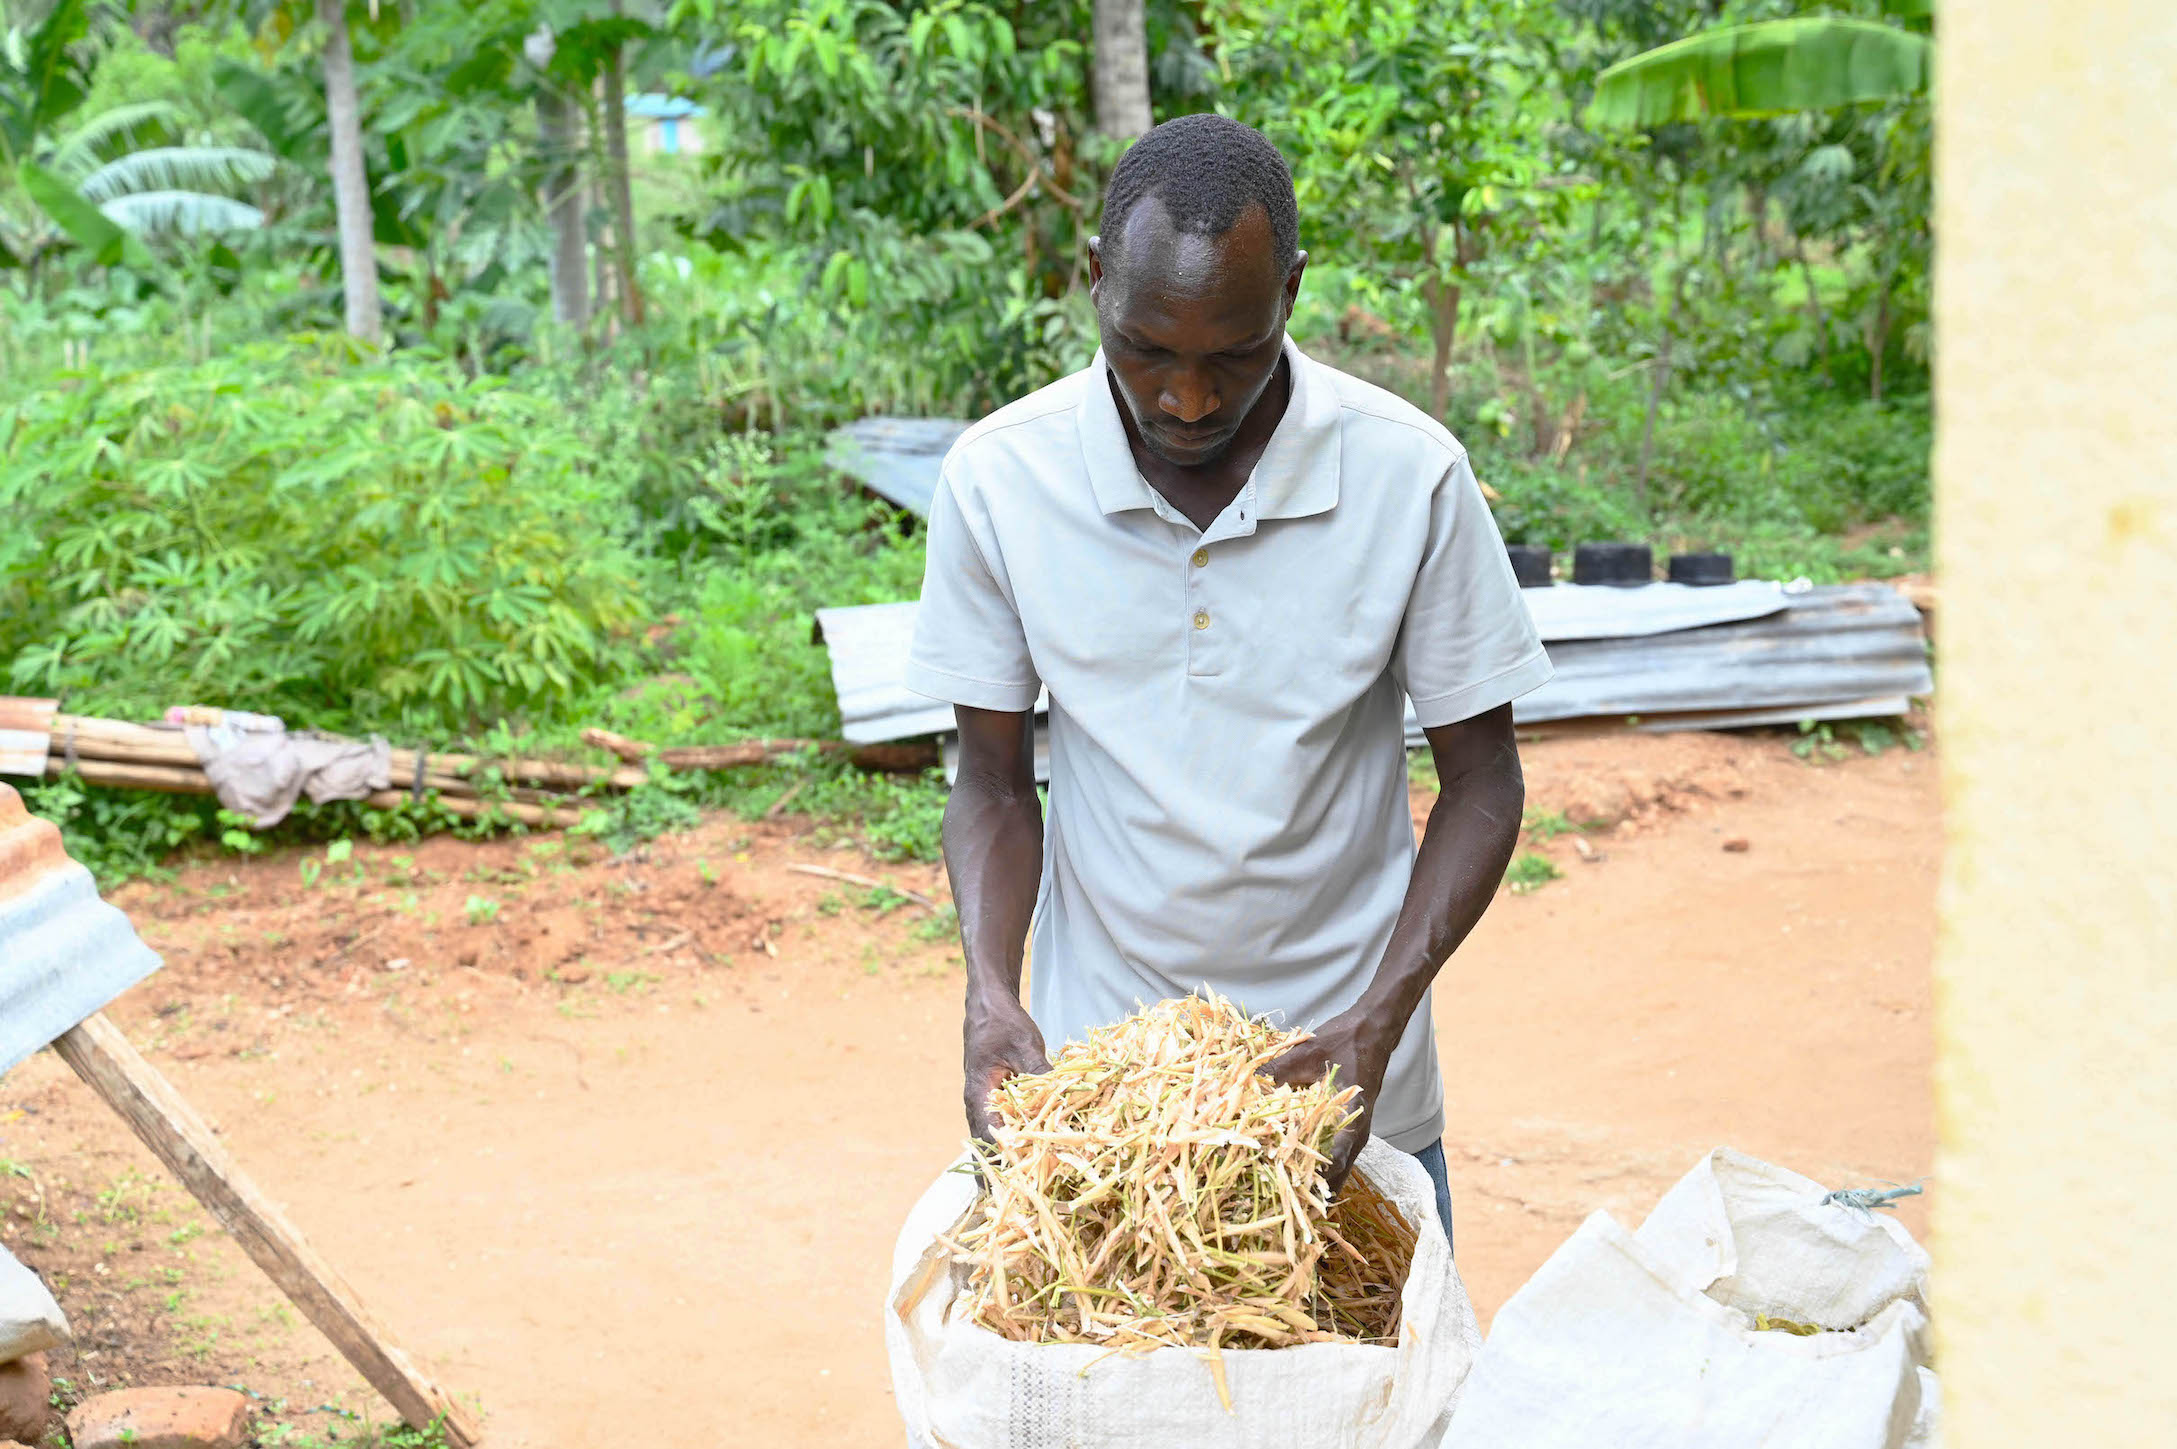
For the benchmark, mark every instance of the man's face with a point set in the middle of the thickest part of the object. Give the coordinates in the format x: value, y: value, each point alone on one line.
x: 1192, y: 326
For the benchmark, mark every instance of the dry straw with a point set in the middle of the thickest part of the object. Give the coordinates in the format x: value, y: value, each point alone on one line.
x: 1154, y: 1189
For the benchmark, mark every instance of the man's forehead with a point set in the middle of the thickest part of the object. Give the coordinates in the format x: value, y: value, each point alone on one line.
x: 1167, y: 273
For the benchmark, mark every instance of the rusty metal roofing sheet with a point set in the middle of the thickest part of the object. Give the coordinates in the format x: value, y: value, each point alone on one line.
x: 64, y: 953
x: 895, y: 458
x: 1823, y: 648
x: 26, y: 734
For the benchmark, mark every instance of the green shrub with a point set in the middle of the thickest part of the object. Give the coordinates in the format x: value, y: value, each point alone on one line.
x: 295, y: 529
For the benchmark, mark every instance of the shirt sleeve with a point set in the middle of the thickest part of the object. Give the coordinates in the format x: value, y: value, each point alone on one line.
x: 969, y: 647
x: 1467, y: 643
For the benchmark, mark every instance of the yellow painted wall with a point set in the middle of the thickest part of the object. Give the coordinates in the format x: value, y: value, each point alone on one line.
x: 2056, y: 486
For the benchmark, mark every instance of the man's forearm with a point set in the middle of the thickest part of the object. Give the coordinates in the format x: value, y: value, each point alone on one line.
x: 1465, y: 848
x: 994, y: 857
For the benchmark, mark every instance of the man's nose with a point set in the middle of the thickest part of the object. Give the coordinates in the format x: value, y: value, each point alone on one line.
x: 1189, y: 397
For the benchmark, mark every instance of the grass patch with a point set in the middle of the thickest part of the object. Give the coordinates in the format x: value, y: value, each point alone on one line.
x: 1530, y: 872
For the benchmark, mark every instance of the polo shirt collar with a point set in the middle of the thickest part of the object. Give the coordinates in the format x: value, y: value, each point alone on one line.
x: 1296, y: 476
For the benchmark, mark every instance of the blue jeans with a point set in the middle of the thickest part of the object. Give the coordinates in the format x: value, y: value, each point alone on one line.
x: 1431, y: 1159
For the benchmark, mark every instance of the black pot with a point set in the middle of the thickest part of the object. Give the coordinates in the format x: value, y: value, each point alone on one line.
x: 1621, y: 565
x: 1702, y: 570
x: 1530, y: 565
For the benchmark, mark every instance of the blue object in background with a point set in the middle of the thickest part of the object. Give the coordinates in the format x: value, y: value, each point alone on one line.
x: 64, y: 952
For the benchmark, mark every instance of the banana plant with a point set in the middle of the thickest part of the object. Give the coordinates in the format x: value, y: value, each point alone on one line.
x: 93, y: 184
x: 44, y: 75
x: 1769, y: 68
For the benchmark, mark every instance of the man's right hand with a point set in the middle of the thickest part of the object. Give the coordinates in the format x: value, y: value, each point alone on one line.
x: 1002, y: 1040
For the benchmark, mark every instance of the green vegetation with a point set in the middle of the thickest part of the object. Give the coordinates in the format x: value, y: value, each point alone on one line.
x: 582, y: 482
x: 1821, y: 743
x: 1530, y: 872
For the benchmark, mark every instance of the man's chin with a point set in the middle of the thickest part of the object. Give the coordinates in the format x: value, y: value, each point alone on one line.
x: 1184, y: 454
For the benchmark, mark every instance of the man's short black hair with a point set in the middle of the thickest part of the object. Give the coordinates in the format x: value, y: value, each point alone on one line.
x: 1206, y: 170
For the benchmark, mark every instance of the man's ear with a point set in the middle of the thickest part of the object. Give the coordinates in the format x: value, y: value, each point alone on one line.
x: 1096, y: 263
x: 1292, y: 282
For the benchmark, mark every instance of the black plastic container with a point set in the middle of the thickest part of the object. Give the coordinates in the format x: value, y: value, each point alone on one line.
x: 1702, y: 570
x: 1620, y: 565
x: 1530, y: 565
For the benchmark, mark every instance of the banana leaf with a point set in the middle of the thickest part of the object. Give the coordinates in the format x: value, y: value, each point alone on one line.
x: 186, y: 213
x: 80, y: 220
x: 1766, y: 68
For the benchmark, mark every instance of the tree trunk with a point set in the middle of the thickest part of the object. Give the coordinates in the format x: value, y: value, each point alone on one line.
x: 617, y: 183
x: 1659, y: 378
x: 1122, y: 69
x: 351, y: 188
x: 563, y: 201
x: 1879, y: 342
x: 1443, y: 300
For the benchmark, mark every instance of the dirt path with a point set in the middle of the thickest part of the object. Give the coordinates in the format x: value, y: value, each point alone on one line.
x: 632, y: 1168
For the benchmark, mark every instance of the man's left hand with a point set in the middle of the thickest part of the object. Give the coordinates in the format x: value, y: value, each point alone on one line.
x: 1345, y: 1049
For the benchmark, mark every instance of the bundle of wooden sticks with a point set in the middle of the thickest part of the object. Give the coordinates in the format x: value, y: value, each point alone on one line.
x: 535, y: 792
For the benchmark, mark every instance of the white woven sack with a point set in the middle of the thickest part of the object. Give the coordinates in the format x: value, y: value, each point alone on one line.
x: 29, y: 1318
x: 1648, y: 1339
x: 963, y: 1387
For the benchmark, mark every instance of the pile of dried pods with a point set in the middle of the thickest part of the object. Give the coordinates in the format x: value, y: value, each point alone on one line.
x: 1154, y: 1189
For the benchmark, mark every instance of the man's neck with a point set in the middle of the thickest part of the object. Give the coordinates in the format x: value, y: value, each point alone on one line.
x: 1203, y: 492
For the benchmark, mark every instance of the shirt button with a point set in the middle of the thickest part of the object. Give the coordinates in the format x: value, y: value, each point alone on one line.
x: 1201, y: 557
x: 1201, y: 618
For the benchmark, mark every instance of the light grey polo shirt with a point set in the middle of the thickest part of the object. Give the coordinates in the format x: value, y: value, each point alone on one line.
x: 1228, y: 799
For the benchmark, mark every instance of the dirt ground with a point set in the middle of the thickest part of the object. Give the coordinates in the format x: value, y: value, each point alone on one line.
x: 619, y: 1146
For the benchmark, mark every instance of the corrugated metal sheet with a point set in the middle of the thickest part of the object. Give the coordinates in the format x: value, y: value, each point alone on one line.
x: 1649, y: 724
x: 895, y: 458
x: 1826, y: 647
x: 64, y: 953
x: 26, y: 734
x: 1831, y: 645
x: 1594, y: 611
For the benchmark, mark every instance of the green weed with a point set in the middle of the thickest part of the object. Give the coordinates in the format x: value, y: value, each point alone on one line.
x: 942, y: 924
x: 1546, y: 825
x: 1530, y: 872
x: 882, y: 900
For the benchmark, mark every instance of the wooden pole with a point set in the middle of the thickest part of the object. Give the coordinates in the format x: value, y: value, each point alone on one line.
x: 172, y: 1129
x: 151, y: 745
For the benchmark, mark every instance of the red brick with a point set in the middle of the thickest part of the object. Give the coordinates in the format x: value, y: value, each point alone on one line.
x: 161, y: 1419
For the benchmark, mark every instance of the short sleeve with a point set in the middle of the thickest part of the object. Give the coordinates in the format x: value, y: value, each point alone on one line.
x: 969, y: 647
x: 1467, y: 643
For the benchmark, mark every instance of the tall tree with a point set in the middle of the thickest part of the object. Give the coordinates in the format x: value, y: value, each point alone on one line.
x: 1418, y: 132
x: 617, y: 186
x: 558, y: 127
x: 351, y: 188
x: 1122, y: 69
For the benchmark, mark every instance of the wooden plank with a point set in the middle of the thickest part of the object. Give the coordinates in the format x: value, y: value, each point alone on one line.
x: 545, y: 816
x: 26, y: 728
x: 138, y: 744
x: 173, y: 779
x: 172, y: 1129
